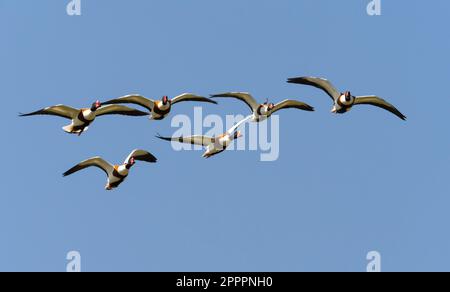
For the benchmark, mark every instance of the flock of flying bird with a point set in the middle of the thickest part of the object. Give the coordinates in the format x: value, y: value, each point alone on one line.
x: 81, y: 119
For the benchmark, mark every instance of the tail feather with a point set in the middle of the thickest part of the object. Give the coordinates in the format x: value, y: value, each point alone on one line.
x: 68, y: 129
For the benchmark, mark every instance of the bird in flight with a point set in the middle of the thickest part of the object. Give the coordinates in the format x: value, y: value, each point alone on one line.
x: 83, y: 118
x: 261, y: 112
x: 159, y: 109
x: 213, y: 145
x: 116, y: 174
x: 344, y: 101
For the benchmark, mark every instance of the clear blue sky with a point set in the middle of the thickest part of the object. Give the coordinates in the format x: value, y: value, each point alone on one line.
x: 343, y: 186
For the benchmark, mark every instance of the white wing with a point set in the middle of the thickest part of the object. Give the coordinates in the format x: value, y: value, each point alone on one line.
x: 235, y: 127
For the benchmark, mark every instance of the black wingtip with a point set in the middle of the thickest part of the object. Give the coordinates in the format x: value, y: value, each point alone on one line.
x: 162, y: 138
x: 143, y: 114
x: 151, y: 159
x: 209, y: 100
x: 109, y: 102
x: 216, y: 95
x: 308, y: 108
x: 295, y: 80
x: 401, y: 116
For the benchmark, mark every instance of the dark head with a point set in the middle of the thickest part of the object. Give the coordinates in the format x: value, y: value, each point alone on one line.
x: 348, y: 96
x: 130, y: 163
x: 96, y: 105
x: 165, y: 100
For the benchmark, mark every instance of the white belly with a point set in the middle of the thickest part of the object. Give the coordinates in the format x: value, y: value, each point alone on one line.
x: 160, y: 111
x: 76, y: 122
x: 213, y: 149
x: 223, y: 142
x: 112, y: 179
x: 260, y: 118
x: 337, y: 107
x: 89, y: 115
